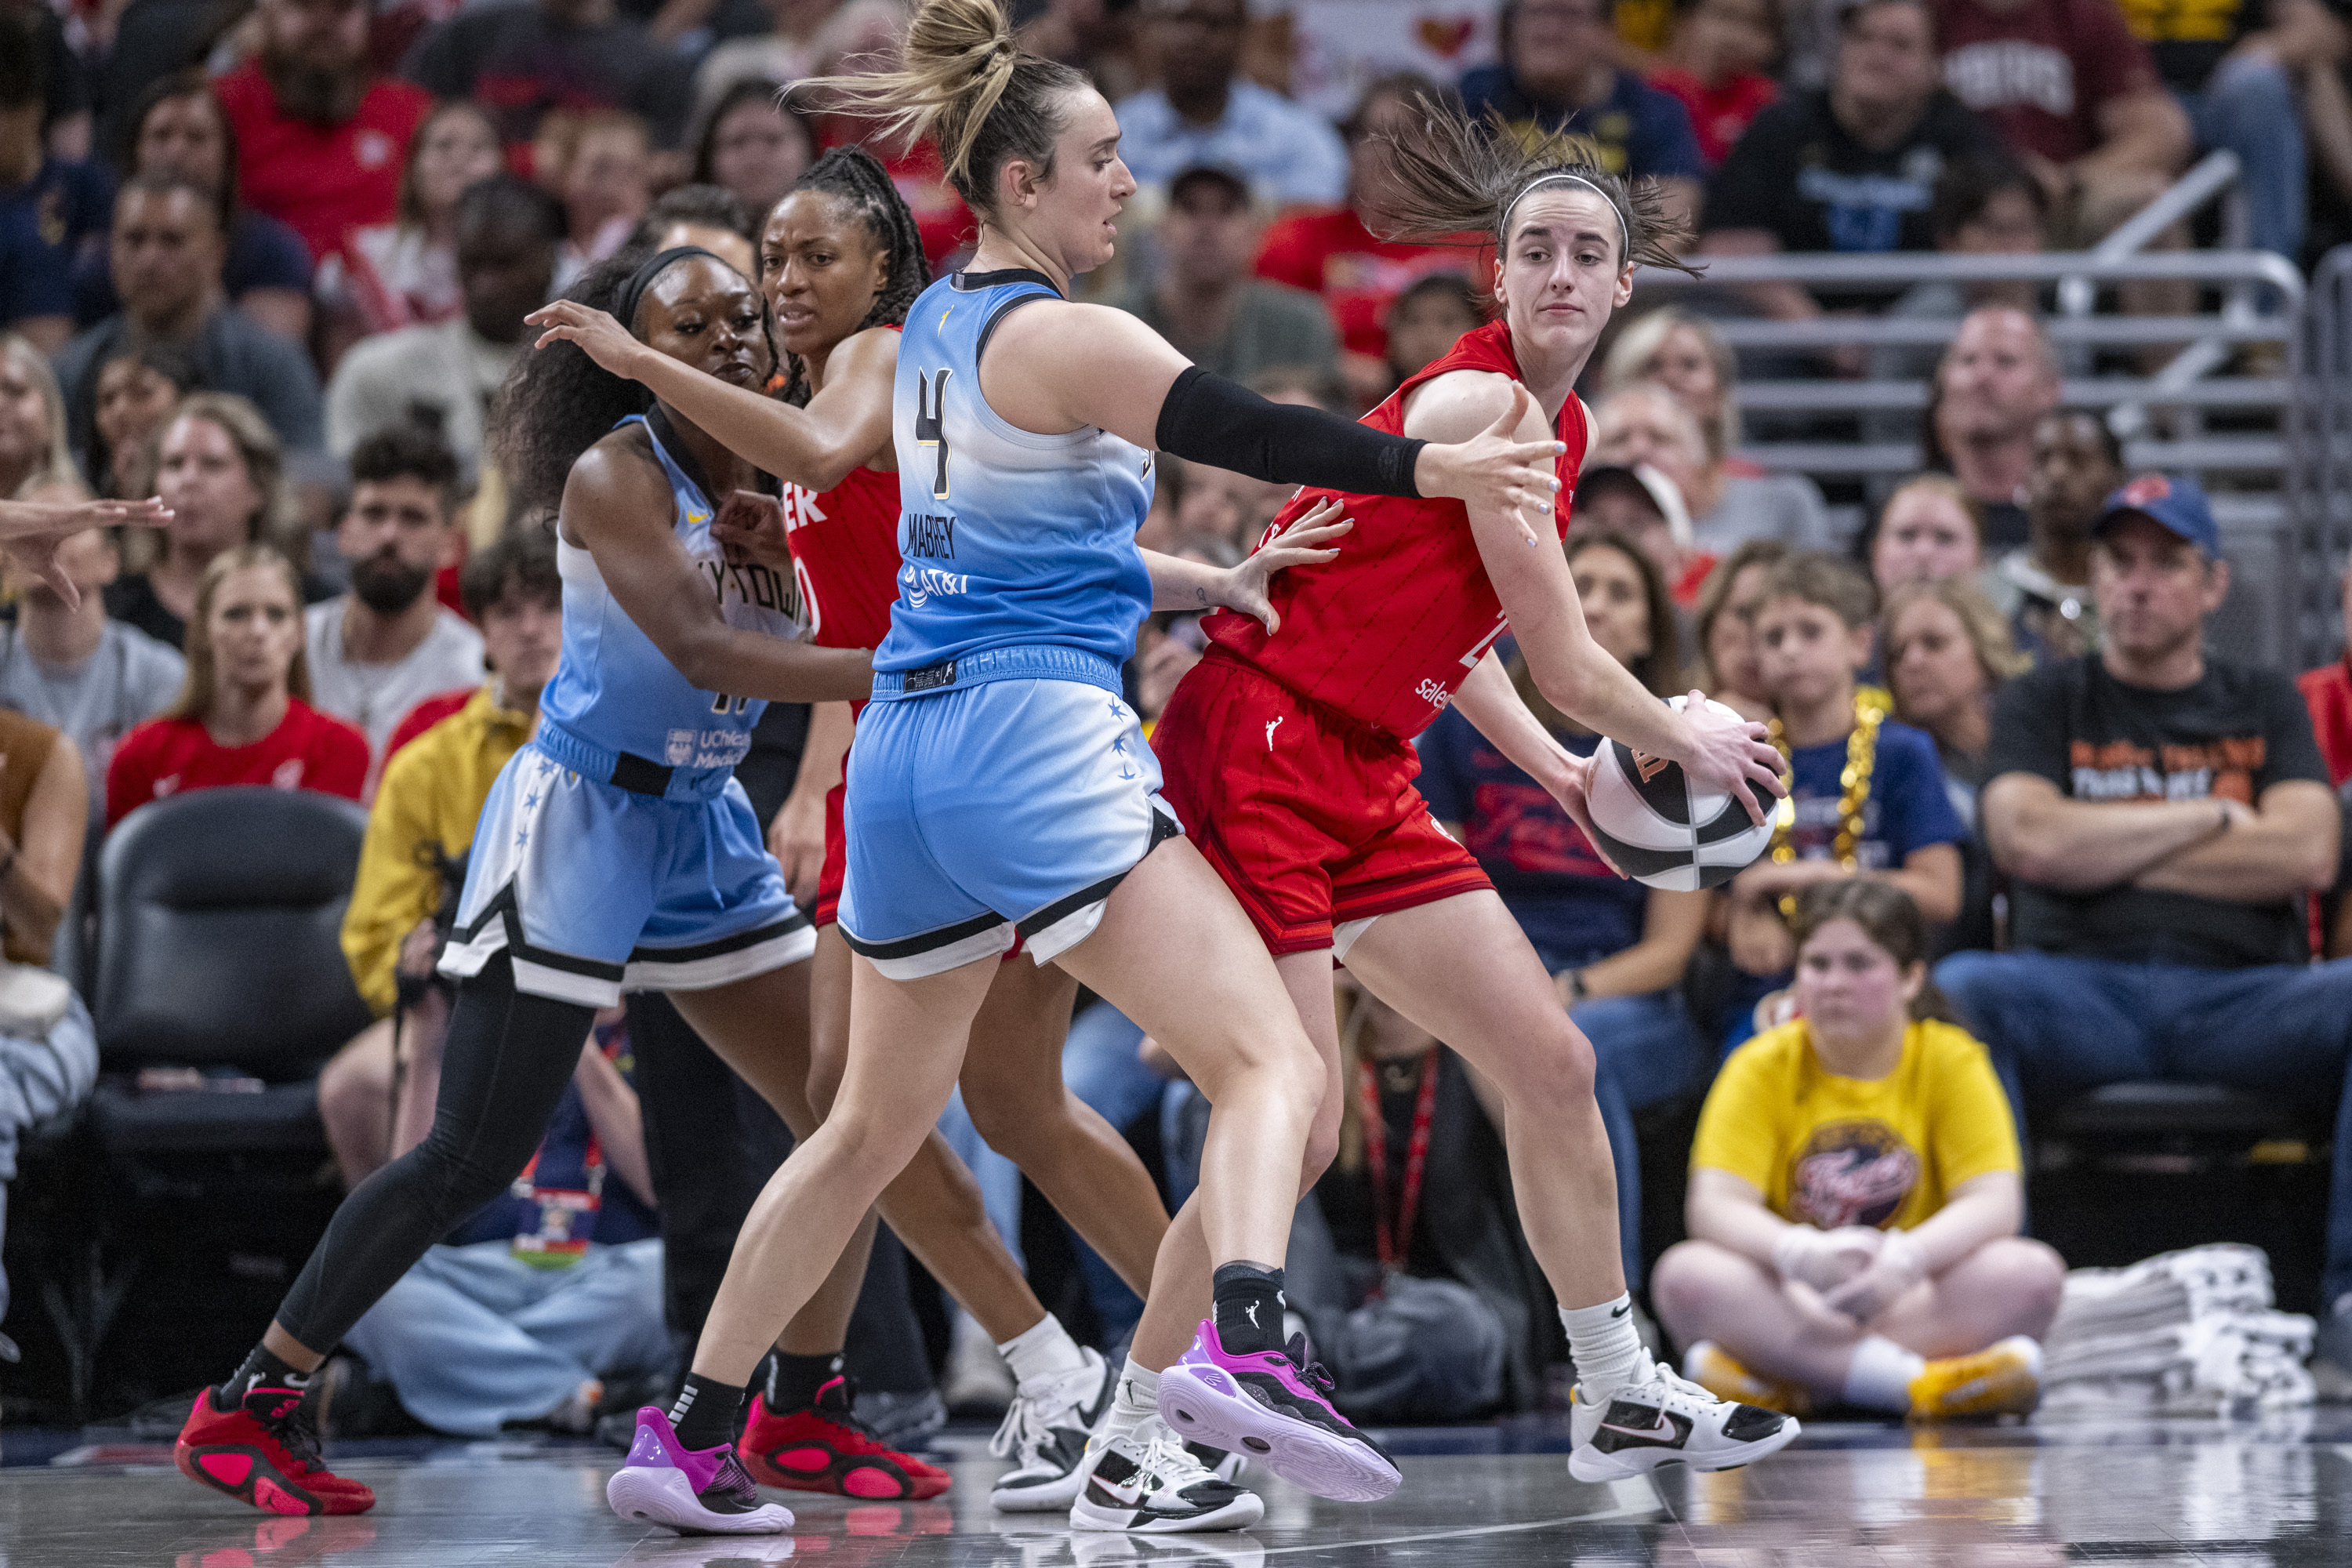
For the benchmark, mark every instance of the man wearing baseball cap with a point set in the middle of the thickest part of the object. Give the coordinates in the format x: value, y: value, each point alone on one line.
x: 2161, y: 815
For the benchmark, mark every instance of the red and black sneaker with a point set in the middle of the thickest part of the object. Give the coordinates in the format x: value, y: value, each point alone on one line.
x: 824, y: 1448
x: 265, y: 1453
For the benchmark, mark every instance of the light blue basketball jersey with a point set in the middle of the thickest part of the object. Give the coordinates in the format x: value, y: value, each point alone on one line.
x: 1007, y: 540
x: 616, y: 692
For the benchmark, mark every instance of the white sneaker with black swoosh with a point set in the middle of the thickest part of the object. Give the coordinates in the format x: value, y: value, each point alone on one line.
x: 1044, y: 1434
x: 1149, y: 1483
x: 1664, y: 1420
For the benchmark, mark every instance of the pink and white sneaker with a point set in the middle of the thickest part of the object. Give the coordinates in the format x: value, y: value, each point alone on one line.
x: 694, y: 1491
x: 1275, y: 1407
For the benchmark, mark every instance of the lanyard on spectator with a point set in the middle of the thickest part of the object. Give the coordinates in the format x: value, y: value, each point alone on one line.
x: 1393, y: 1245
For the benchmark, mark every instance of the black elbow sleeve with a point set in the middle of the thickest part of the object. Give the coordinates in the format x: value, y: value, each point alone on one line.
x: 1208, y: 419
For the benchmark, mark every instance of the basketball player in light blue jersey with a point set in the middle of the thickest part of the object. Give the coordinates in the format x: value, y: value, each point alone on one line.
x: 999, y: 784
x: 615, y: 851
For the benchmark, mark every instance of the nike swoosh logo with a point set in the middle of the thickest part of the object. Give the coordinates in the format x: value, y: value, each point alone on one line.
x: 1664, y: 1431
x: 1621, y: 1312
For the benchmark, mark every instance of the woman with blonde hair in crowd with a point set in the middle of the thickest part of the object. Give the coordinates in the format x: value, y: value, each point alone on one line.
x: 1727, y: 669
x: 32, y: 420
x: 1929, y: 531
x: 1948, y: 654
x: 1687, y: 356
x: 1855, y: 1194
x: 221, y: 471
x: 1645, y: 422
x: 244, y: 717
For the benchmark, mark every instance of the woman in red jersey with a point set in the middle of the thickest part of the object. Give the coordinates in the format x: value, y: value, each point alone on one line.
x: 244, y: 717
x: 1289, y: 756
x: 840, y: 261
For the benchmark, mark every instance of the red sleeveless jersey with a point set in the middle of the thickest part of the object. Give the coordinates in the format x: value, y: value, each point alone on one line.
x: 846, y: 554
x: 1386, y: 633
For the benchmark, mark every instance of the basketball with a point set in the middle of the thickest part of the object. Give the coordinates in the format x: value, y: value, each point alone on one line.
x: 1664, y: 833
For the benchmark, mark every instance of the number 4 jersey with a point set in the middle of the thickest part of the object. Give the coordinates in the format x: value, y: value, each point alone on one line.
x: 1386, y: 633
x: 1007, y: 538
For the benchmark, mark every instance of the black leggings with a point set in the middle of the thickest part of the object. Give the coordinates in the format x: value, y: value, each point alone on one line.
x: 503, y: 1071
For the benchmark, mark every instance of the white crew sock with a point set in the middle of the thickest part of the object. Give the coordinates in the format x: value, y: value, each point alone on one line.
x: 1045, y: 1352
x: 1606, y: 1350
x: 1880, y: 1375
x: 1136, y: 1401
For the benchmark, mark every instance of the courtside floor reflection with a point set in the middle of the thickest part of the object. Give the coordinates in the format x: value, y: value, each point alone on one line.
x: 2245, y: 1494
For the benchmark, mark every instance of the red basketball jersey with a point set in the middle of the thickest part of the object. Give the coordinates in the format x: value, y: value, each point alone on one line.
x: 1386, y: 633
x: 845, y: 556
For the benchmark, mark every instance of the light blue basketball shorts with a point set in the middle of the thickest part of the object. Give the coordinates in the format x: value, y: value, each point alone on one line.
x: 1010, y: 805
x: 593, y: 889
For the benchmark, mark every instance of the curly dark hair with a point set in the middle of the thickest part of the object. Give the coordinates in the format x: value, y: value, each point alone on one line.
x: 854, y: 176
x: 556, y: 402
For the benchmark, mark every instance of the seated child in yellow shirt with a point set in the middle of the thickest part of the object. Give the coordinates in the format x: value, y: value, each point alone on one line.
x: 1855, y: 1196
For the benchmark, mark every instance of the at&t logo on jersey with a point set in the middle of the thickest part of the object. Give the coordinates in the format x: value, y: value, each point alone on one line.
x: 922, y: 583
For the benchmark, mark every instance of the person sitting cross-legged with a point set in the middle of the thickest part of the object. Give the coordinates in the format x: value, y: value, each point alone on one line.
x: 1854, y: 1195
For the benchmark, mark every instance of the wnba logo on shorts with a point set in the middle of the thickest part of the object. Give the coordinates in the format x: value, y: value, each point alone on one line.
x: 1650, y: 767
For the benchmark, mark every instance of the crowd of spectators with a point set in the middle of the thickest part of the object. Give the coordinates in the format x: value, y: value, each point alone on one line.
x: 271, y: 262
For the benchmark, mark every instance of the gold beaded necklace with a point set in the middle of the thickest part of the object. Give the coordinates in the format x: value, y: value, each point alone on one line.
x: 1869, y: 708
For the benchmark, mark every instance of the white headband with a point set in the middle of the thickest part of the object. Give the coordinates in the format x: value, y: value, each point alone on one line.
x: 1625, y: 239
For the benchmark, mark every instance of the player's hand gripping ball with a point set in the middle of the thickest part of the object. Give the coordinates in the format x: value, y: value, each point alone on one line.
x: 1664, y: 831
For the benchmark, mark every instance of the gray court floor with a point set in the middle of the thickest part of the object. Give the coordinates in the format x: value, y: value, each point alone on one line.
x: 2276, y: 1492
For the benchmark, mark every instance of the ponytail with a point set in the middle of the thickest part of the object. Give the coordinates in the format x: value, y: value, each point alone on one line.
x: 964, y: 80
x: 1455, y: 176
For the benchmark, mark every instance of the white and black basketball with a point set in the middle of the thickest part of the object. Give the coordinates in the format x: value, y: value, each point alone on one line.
x: 1663, y: 832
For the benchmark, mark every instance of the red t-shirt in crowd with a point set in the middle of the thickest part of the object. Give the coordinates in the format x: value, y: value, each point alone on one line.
x: 425, y: 715
x: 2328, y: 692
x: 1358, y: 274
x: 171, y: 756
x: 1385, y: 633
x: 2040, y: 72
x: 1719, y: 114
x: 321, y: 180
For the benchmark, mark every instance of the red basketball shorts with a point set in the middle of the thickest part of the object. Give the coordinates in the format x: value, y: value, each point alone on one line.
x: 1310, y: 816
x: 836, y: 862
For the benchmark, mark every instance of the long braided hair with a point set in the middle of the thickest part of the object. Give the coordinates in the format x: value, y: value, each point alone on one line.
x: 856, y: 178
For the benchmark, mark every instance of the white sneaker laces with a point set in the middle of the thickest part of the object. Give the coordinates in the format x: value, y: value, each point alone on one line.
x: 1028, y: 1421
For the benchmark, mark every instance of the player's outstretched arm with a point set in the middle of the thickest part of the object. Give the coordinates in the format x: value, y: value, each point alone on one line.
x: 846, y: 424
x: 1054, y: 367
x: 1181, y: 584
x: 1492, y: 704
x: 30, y: 531
x: 617, y: 505
x: 1578, y: 676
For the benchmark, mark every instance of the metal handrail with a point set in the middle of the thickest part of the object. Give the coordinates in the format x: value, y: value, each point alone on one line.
x: 2212, y: 174
x: 1839, y: 269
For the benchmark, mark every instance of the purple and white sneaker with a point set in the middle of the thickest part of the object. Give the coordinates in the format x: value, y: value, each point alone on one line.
x: 694, y: 1491
x: 1275, y: 1407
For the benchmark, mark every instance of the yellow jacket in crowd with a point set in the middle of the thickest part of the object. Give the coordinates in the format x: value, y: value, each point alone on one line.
x: 428, y: 802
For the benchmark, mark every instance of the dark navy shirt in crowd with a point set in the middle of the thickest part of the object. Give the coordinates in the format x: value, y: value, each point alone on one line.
x: 262, y: 254
x: 1640, y: 131
x: 1574, y: 908
x: 2232, y: 735
x: 1797, y: 174
x: 1908, y: 810
x: 544, y: 1202
x: 43, y: 226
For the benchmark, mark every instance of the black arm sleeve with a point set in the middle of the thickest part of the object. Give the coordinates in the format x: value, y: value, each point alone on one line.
x: 1208, y: 419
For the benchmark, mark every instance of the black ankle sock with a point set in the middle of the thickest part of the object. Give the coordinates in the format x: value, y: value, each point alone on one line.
x: 1249, y: 1308
x: 260, y: 1370
x: 794, y: 1380
x: 706, y: 1412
